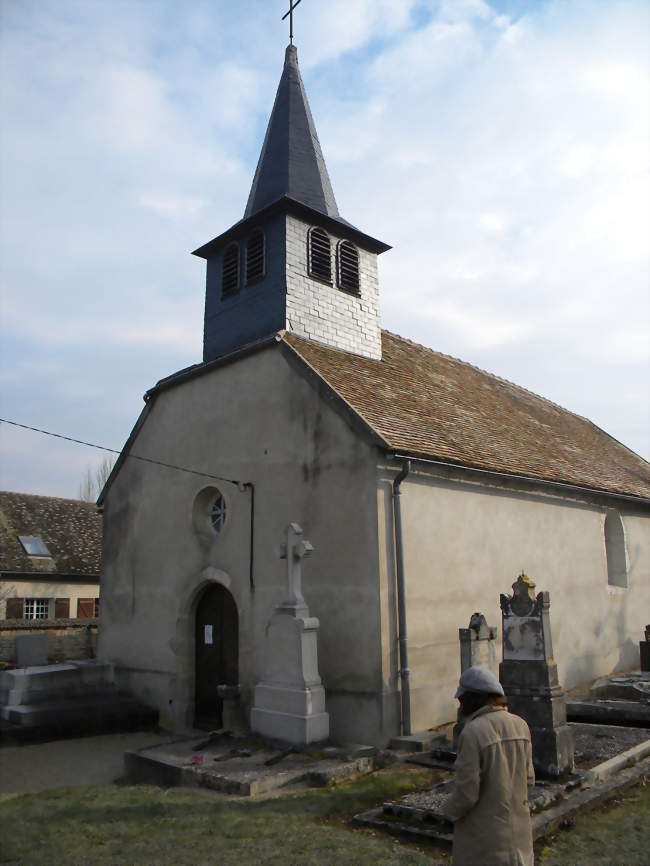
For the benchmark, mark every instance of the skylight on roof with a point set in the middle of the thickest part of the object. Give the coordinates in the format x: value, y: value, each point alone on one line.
x: 34, y: 545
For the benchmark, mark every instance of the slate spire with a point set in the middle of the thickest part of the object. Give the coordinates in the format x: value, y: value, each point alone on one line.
x: 291, y: 162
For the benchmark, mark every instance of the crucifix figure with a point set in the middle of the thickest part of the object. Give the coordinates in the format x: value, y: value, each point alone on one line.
x: 294, y: 551
x: 292, y: 6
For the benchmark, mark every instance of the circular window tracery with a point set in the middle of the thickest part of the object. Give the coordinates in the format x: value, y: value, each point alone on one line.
x: 218, y: 513
x: 210, y: 513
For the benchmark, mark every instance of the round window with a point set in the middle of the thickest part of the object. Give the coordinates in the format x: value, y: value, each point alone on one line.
x: 218, y: 512
x: 210, y: 512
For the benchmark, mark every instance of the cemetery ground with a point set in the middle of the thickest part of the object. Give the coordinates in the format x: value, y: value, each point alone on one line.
x: 129, y: 824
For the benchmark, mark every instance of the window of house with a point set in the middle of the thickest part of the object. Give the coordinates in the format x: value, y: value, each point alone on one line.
x: 36, y: 608
x: 96, y: 608
x: 615, y: 550
x: 230, y: 270
x: 348, y: 267
x: 320, y: 255
x: 85, y: 608
x: 61, y: 608
x: 218, y: 513
x: 33, y: 545
x: 255, y: 263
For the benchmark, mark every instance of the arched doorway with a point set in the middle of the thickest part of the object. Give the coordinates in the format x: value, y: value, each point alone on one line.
x: 217, y: 653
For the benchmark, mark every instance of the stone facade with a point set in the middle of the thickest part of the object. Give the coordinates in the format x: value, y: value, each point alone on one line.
x: 324, y: 313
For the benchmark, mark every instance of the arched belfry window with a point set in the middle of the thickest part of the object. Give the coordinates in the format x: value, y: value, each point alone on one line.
x: 348, y: 267
x: 615, y: 550
x: 320, y: 254
x: 255, y: 252
x: 230, y: 270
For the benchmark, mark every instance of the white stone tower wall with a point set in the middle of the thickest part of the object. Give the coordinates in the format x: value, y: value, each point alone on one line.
x: 325, y: 313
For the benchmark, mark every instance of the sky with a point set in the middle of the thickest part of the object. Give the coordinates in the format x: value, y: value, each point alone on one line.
x: 501, y: 148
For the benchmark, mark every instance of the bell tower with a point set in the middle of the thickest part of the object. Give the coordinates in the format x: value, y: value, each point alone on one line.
x: 292, y: 263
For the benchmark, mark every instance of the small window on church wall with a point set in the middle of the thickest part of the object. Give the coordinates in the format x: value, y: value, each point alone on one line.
x: 230, y: 270
x: 210, y: 512
x: 218, y: 513
x: 320, y: 255
x: 348, y: 267
x: 255, y: 257
x: 615, y: 550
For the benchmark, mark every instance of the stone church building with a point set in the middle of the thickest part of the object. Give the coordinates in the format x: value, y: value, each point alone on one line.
x: 424, y: 484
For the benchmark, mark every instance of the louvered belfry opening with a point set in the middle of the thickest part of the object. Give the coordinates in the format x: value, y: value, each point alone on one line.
x: 230, y: 270
x: 255, y: 257
x: 348, y: 267
x: 320, y: 255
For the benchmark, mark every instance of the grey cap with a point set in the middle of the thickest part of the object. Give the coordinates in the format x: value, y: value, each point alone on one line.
x: 478, y: 680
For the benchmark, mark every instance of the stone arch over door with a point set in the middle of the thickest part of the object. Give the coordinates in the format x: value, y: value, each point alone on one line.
x: 182, y: 707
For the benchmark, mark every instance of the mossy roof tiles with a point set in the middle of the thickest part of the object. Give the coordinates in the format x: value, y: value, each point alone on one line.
x: 71, y: 530
x: 426, y: 404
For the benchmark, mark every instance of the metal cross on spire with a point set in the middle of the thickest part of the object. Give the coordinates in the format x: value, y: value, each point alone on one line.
x: 292, y: 6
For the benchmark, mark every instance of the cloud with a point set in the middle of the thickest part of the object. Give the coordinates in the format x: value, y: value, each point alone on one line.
x: 500, y: 147
x: 174, y: 206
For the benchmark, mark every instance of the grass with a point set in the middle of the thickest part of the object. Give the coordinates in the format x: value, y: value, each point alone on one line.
x: 142, y: 825
x: 617, y: 834
x: 145, y: 825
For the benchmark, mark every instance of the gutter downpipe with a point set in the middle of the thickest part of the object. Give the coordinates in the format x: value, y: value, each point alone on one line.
x: 401, y: 600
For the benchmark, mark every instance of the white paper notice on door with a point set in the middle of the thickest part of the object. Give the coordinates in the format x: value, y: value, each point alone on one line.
x: 208, y: 634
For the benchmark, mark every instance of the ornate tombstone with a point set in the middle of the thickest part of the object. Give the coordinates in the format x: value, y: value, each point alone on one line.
x: 290, y: 701
x: 529, y: 677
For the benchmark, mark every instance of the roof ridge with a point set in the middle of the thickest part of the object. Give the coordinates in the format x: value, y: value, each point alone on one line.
x: 44, y: 496
x: 495, y: 376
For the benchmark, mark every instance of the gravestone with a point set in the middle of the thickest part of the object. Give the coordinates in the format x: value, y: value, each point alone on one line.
x: 644, y: 650
x: 31, y: 650
x: 289, y: 703
x: 529, y: 677
x: 478, y: 644
x: 477, y: 649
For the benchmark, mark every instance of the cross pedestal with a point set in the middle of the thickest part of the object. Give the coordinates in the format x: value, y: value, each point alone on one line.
x: 289, y: 702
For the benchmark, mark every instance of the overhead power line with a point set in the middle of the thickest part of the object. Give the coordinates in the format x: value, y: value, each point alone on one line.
x: 115, y: 451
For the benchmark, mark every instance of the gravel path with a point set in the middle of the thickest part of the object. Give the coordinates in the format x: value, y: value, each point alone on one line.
x: 597, y: 743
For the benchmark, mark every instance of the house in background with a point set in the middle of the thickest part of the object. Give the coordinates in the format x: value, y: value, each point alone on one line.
x: 50, y: 552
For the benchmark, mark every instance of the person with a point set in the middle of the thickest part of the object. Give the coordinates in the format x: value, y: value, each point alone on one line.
x: 494, y: 768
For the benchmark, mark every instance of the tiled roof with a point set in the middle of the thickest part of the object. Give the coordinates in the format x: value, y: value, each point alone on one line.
x: 71, y: 530
x: 422, y: 403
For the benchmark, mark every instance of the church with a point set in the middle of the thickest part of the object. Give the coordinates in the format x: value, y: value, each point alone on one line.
x: 424, y: 484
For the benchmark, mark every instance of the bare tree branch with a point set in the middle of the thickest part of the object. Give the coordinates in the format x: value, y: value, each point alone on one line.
x: 94, y: 479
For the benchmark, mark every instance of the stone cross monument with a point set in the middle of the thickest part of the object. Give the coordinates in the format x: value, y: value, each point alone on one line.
x: 289, y: 703
x: 529, y: 677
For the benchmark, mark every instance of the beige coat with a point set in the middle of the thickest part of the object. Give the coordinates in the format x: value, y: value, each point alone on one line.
x: 489, y: 806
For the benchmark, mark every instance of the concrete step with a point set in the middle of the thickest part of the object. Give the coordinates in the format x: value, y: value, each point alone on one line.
x: 631, y: 713
x: 421, y: 741
x: 109, y: 712
x: 104, y: 703
x: 60, y: 676
x: 26, y: 695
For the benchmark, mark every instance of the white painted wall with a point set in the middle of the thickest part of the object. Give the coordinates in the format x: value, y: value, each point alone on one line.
x: 465, y: 543
x: 253, y: 420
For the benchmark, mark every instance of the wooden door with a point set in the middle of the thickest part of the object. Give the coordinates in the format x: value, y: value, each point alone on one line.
x: 217, y: 653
